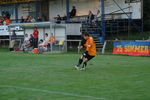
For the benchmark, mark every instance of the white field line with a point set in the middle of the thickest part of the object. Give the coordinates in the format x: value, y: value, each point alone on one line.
x: 53, y: 92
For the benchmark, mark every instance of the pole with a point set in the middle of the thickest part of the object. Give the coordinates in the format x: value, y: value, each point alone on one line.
x: 37, y: 10
x: 67, y: 10
x: 103, y: 18
x: 16, y: 12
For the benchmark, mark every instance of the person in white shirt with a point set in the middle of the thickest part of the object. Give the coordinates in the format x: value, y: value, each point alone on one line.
x: 42, y: 47
x: 25, y: 43
x: 46, y: 40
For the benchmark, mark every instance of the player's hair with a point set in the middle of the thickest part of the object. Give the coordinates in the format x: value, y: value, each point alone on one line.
x: 86, y: 34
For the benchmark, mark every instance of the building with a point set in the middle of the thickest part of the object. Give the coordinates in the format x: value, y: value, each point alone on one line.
x: 48, y: 9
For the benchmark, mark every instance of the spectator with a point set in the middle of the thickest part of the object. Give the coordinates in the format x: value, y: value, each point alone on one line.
x: 25, y: 43
x: 22, y: 20
x: 90, y: 17
x: 64, y: 17
x: 13, y: 41
x: 39, y: 19
x: 58, y: 19
x: 42, y: 47
x: 52, y: 39
x: 35, y: 35
x: 73, y: 12
x: 98, y: 15
x: 46, y: 39
x: 33, y: 20
x: 28, y: 19
x: 1, y: 20
x: 31, y: 41
x: 7, y: 21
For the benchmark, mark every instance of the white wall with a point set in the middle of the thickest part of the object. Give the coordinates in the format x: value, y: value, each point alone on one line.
x: 83, y: 6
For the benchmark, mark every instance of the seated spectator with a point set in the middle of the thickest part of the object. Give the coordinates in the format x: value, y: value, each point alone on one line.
x: 31, y: 39
x: 7, y: 21
x: 26, y: 42
x: 22, y: 20
x: 30, y: 44
x: 98, y: 15
x: 42, y: 47
x: 58, y: 19
x: 1, y: 20
x: 64, y: 17
x: 12, y: 41
x: 28, y: 19
x: 52, y: 39
x: 33, y: 20
x: 39, y: 19
x: 46, y: 40
x: 90, y: 17
x: 73, y: 12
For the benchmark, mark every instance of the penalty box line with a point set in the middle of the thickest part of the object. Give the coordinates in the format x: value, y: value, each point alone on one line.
x: 53, y: 92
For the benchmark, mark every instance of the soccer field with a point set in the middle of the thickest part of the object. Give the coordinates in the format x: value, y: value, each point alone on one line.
x: 53, y: 77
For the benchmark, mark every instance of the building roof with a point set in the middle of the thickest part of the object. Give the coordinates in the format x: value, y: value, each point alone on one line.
x: 3, y: 2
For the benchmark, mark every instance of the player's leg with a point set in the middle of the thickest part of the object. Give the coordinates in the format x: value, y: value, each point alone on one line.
x: 85, y: 60
x: 79, y: 62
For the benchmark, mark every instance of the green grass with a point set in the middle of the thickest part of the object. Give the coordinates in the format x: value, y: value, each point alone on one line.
x: 52, y: 77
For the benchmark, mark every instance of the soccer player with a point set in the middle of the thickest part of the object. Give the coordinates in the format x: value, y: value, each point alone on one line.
x: 89, y: 53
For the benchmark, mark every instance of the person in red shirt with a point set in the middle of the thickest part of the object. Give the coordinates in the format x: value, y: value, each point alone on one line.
x: 35, y: 35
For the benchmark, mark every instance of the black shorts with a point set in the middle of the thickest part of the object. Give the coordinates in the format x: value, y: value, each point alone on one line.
x: 88, y: 56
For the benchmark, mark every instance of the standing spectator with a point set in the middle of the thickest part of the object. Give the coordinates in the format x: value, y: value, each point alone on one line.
x: 73, y: 12
x: 90, y: 17
x: 35, y: 35
x: 22, y: 20
x: 12, y: 41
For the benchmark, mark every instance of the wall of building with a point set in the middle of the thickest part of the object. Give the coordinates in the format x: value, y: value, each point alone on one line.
x: 83, y: 6
x: 25, y: 9
x: 8, y: 8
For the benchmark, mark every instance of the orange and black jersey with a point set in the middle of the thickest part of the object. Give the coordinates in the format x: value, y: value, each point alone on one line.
x: 90, y: 46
